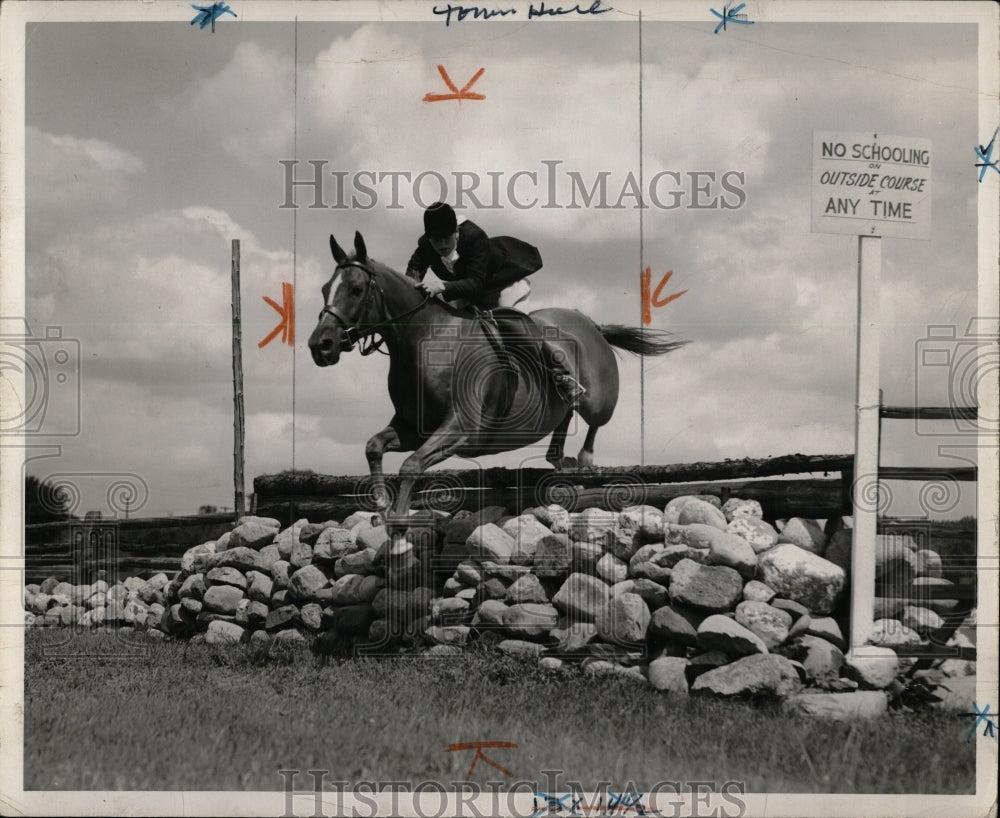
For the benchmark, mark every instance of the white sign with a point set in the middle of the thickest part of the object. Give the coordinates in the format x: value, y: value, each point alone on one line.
x: 870, y: 184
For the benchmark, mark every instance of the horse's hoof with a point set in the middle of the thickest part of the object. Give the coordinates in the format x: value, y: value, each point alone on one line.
x: 566, y: 463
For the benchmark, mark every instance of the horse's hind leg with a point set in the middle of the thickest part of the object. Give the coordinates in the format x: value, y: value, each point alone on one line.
x: 555, y: 454
x: 586, y: 456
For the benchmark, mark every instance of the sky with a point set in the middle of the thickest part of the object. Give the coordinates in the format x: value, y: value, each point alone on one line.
x: 150, y: 146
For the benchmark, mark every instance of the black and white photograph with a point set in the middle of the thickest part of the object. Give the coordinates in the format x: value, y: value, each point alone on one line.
x: 528, y: 408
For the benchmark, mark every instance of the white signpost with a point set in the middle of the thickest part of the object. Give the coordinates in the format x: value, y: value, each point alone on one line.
x: 869, y: 185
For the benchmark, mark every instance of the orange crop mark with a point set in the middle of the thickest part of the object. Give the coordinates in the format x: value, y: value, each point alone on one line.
x: 457, y: 93
x: 479, y: 746
x: 648, y: 302
x: 287, y: 312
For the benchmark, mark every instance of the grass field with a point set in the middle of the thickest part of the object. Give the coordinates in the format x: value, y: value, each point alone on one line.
x: 199, y: 717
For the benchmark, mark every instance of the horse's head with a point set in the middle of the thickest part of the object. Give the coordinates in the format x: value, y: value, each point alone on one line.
x: 347, y: 303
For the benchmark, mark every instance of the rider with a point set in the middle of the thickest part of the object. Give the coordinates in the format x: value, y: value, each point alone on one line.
x: 459, y: 255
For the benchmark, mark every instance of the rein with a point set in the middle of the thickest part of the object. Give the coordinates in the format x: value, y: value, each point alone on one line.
x: 353, y: 334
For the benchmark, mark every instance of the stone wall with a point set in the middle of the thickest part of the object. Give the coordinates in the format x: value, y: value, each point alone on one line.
x: 696, y: 596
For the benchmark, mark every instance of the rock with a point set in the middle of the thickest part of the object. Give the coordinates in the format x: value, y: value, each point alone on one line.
x: 189, y: 604
x: 241, y: 558
x: 770, y: 624
x: 373, y: 537
x: 872, y: 667
x: 448, y: 634
x: 451, y: 610
x: 550, y: 664
x: 490, y: 542
x: 755, y: 591
x: 284, y: 617
x: 838, y: 548
x: 492, y: 589
x: 304, y: 584
x: 147, y: 593
x: 667, y: 674
x: 593, y: 525
x: 759, y: 534
x: 367, y: 517
x: 519, y: 647
x: 288, y: 637
x: 895, y: 564
x: 527, y: 532
x: 301, y: 556
x: 357, y: 562
x: 928, y: 563
x: 254, y: 533
x: 645, y: 523
x: 719, y: 632
x: 490, y: 612
x: 222, y: 599
x: 224, y: 633
x: 806, y: 534
x: 667, y: 625
x: 581, y: 597
x: 468, y: 573
x: 530, y: 620
x: 226, y: 575
x: 709, y: 588
x: 736, y: 509
x: 802, y: 576
x: 505, y: 573
x: 757, y: 675
x: 49, y: 584
x: 280, y: 574
x: 573, y: 639
x: 733, y: 552
x: 826, y: 627
x: 267, y: 557
x: 611, y: 569
x: 822, y: 660
x: 624, y: 543
x: 694, y: 535
x: 645, y: 553
x: 922, y: 620
x: 261, y: 587
x: 286, y: 541
x: 554, y: 517
x: 311, y: 616
x: 584, y: 556
x: 673, y: 554
x: 526, y: 589
x: 837, y: 706
x: 652, y: 572
x: 653, y: 593
x: 623, y: 620
x: 332, y: 544
x: 700, y: 511
x: 136, y: 610
x: 892, y: 633
x: 796, y: 609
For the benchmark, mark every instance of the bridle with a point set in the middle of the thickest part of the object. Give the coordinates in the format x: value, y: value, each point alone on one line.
x: 353, y: 334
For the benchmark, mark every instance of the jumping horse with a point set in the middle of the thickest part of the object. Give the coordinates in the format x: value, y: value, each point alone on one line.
x: 454, y: 389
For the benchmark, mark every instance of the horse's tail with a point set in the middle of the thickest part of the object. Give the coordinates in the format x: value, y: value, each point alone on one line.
x: 640, y: 341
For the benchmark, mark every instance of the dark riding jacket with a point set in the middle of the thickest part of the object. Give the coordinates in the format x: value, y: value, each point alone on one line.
x: 484, y: 266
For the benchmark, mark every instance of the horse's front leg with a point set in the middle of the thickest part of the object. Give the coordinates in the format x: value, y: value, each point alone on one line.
x: 388, y: 440
x: 447, y: 440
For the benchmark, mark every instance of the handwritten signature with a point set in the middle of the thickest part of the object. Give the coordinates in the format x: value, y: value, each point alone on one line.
x: 459, y: 13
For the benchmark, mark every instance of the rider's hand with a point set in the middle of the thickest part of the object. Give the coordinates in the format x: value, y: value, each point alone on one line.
x: 432, y: 286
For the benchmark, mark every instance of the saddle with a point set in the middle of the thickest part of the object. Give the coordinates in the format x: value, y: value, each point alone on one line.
x: 515, y: 339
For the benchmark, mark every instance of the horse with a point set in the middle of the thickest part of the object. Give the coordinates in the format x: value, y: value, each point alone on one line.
x: 452, y: 393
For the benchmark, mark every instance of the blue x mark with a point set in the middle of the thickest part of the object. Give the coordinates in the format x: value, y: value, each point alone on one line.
x: 553, y: 802
x: 209, y: 14
x: 985, y: 717
x: 731, y: 15
x: 985, y: 154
